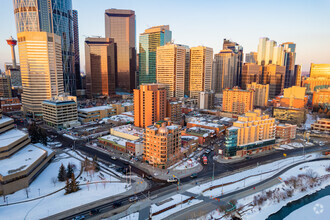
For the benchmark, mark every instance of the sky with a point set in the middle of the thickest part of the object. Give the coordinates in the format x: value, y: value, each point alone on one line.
x: 207, y: 23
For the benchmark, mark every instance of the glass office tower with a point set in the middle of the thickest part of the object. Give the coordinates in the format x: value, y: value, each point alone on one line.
x: 120, y: 25
x: 149, y: 41
x: 52, y: 16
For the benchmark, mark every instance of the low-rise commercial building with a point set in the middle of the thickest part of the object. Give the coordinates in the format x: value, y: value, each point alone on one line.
x: 251, y: 133
x: 189, y: 144
x: 96, y: 113
x: 59, y: 110
x: 204, y: 135
x: 162, y: 144
x: 290, y: 115
x: 294, y: 97
x: 10, y: 105
x: 322, y: 124
x: 217, y: 128
x: 286, y: 132
x: 321, y: 100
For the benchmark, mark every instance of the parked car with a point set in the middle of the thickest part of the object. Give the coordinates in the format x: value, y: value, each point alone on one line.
x: 133, y: 198
x: 194, y: 175
x: 172, y: 180
x: 116, y: 204
x: 79, y: 217
x: 248, y: 158
x: 114, y: 158
x: 94, y: 212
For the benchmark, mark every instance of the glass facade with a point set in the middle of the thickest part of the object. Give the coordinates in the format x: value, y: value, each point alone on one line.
x: 120, y: 25
x: 53, y: 16
x: 231, y: 142
x: 149, y: 41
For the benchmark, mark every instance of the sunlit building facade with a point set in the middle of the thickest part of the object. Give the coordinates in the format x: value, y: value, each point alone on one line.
x: 297, y: 73
x: 289, y: 63
x: 251, y: 57
x: 201, y: 59
x: 251, y: 73
x: 120, y: 25
x: 260, y: 94
x: 100, y: 61
x: 237, y: 100
x: 41, y: 69
x: 148, y: 42
x: 321, y: 100
x: 320, y: 70
x: 171, y: 69
x: 274, y: 76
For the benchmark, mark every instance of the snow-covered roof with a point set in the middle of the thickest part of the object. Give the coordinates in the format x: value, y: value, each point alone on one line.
x: 5, y: 119
x: 10, y: 137
x: 172, y: 127
x: 21, y: 160
x: 232, y: 128
x: 96, y: 108
x: 115, y: 139
x: 130, y: 129
x: 121, y: 118
x: 189, y: 138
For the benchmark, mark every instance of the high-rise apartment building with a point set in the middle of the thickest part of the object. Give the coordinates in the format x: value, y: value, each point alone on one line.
x: 100, y: 56
x: 274, y: 76
x: 52, y: 16
x: 260, y: 94
x: 171, y: 69
x: 251, y: 57
x: 174, y: 110
x: 251, y: 73
x: 162, y: 144
x: 148, y: 42
x: 297, y: 73
x: 201, y: 59
x: 289, y: 63
x: 225, y: 70
x: 76, y: 49
x: 286, y: 132
x: 238, y: 50
x: 120, y: 25
x: 237, y: 100
x: 320, y: 70
x: 5, y: 86
x: 40, y: 56
x: 149, y: 104
x: 269, y: 52
x: 251, y: 133
x: 206, y: 100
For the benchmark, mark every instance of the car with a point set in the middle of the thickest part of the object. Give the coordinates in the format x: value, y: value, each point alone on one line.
x: 112, y: 166
x: 133, y: 198
x: 194, y: 175
x: 94, y: 212
x: 248, y: 158
x: 116, y: 204
x: 120, y: 169
x: 79, y: 217
x: 172, y: 180
x: 149, y: 177
x: 114, y: 158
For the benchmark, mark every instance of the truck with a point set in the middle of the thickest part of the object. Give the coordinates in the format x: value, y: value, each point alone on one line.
x: 204, y: 160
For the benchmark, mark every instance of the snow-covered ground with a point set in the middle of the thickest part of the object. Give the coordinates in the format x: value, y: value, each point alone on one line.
x: 309, y: 121
x: 318, y: 209
x: 190, y: 163
x: 99, y: 186
x: 271, y: 207
x: 70, y: 136
x: 173, y: 200
x: 272, y: 168
x: 133, y: 216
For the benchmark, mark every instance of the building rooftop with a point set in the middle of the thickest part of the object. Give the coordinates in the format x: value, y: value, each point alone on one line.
x: 21, y: 160
x: 10, y: 137
x: 115, y: 139
x: 187, y: 138
x: 130, y: 129
x: 96, y: 108
x: 121, y: 118
x: 5, y: 119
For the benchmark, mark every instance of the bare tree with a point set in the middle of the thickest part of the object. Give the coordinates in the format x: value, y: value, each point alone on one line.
x: 54, y: 181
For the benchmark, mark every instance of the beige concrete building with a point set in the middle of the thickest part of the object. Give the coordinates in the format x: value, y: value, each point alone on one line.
x: 20, y: 161
x: 40, y: 57
x: 260, y: 94
x: 286, y: 132
x: 95, y: 113
x: 237, y: 100
x: 59, y: 110
x: 162, y: 144
x: 171, y: 69
x: 201, y: 59
x: 149, y: 104
x: 322, y: 124
x: 206, y: 100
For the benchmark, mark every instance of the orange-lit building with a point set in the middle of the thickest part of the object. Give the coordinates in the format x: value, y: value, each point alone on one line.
x: 101, y: 68
x: 286, y: 132
x: 251, y: 73
x: 10, y: 104
x: 149, y: 104
x: 313, y: 84
x: 162, y: 144
x: 261, y: 92
x: 174, y: 110
x: 274, y: 76
x: 237, y: 100
x: 320, y: 70
x: 294, y: 97
x: 297, y: 72
x: 321, y: 99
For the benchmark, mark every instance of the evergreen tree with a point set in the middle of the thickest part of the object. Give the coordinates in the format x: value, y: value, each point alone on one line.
x: 74, y: 185
x: 68, y: 187
x: 69, y: 171
x: 61, y: 174
x: 33, y: 132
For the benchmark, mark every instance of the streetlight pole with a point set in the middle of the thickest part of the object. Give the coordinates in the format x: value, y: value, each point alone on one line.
x: 213, y: 174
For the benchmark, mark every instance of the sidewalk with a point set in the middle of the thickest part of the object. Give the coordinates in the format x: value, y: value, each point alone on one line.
x: 220, y: 159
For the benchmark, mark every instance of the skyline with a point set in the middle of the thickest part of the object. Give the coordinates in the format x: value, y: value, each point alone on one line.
x: 306, y: 25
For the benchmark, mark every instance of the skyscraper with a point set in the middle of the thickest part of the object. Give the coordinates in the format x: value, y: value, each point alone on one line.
x: 100, y: 54
x: 5, y: 86
x: 260, y: 94
x: 225, y: 69
x: 297, y: 73
x: 251, y: 73
x: 266, y: 52
x: 171, y: 69
x: 149, y: 41
x: 52, y: 16
x: 76, y: 49
x: 289, y: 63
x: 237, y: 49
x: 149, y: 104
x: 41, y: 69
x: 237, y: 101
x: 120, y: 25
x: 274, y: 76
x: 201, y: 59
